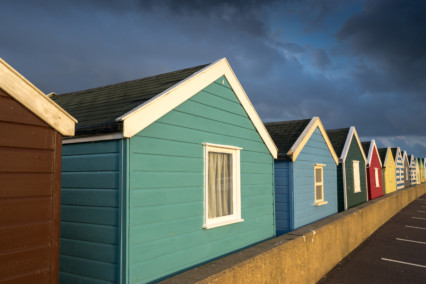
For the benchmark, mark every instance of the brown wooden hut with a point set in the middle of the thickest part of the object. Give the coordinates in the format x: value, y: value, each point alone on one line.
x: 31, y: 129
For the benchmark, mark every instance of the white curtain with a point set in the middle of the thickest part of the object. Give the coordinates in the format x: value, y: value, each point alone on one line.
x: 220, y: 184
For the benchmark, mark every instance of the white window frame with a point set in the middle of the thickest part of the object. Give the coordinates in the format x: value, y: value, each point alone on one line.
x: 319, y: 202
x: 376, y: 177
x: 356, y: 188
x: 236, y: 186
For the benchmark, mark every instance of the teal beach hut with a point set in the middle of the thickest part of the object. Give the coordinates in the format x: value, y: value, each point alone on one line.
x: 166, y: 172
x: 305, y: 173
x: 351, y: 173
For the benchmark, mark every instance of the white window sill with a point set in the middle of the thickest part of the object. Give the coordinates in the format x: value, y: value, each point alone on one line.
x: 224, y: 223
x: 319, y: 203
x: 357, y: 191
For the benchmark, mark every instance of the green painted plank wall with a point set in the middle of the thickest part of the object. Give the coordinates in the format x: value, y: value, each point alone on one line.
x: 355, y: 154
x: 340, y: 189
x: 89, y: 212
x: 165, y: 224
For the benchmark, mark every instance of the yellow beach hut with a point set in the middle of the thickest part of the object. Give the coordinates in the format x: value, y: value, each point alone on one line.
x: 388, y: 170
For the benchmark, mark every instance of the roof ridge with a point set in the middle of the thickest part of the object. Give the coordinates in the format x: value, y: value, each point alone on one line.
x: 131, y: 81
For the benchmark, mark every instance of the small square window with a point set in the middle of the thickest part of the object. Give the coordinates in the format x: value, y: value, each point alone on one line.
x: 357, y: 178
x: 222, y: 192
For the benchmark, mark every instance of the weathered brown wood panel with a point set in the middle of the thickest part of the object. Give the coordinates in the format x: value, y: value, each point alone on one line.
x: 30, y: 172
x: 13, y: 111
x: 15, y: 237
x: 32, y: 277
x: 26, y: 136
x: 20, y: 160
x: 25, y: 184
x: 24, y: 261
x: 25, y: 210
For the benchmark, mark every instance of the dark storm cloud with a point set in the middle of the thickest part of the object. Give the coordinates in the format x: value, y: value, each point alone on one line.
x: 72, y: 45
x: 391, y: 36
x: 321, y: 59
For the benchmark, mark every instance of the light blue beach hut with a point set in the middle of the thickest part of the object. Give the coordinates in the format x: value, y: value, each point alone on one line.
x: 305, y: 173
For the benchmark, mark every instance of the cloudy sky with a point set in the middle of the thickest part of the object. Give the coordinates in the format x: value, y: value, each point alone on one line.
x: 359, y: 63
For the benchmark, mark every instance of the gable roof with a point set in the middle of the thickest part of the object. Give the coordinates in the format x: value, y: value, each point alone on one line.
x: 137, y: 104
x: 292, y: 136
x: 19, y: 88
x: 382, y: 154
x: 338, y: 138
x: 98, y: 108
x: 366, y: 147
x: 285, y: 134
x: 405, y: 157
x: 411, y: 159
x: 394, y: 150
x: 369, y: 147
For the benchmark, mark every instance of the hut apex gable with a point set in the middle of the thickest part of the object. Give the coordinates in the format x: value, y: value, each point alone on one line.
x: 148, y: 99
x: 18, y: 87
x: 140, y: 117
x: 405, y: 157
x: 372, y: 148
x: 352, y: 133
x: 304, y: 137
x: 385, y: 155
x: 395, y: 152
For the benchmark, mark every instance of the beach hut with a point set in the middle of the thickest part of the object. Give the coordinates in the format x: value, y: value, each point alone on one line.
x: 407, y: 173
x: 351, y: 173
x: 31, y: 129
x: 422, y: 165
x: 424, y: 169
x: 388, y: 170
x: 418, y: 177
x: 399, y: 167
x: 166, y: 173
x: 413, y: 169
x: 420, y: 172
x: 305, y: 173
x: 374, y: 170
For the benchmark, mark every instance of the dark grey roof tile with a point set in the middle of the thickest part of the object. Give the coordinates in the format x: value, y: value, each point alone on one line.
x: 285, y: 134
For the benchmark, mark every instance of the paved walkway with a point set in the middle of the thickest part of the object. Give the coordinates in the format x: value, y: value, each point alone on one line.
x: 395, y: 253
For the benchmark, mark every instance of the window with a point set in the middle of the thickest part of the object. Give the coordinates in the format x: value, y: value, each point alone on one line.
x: 222, y: 192
x: 319, y: 184
x: 357, y: 178
x: 376, y: 175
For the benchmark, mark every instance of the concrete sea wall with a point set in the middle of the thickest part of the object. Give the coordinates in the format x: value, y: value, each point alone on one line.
x: 308, y: 253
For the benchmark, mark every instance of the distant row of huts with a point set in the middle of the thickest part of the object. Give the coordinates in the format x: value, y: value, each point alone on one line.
x: 165, y: 173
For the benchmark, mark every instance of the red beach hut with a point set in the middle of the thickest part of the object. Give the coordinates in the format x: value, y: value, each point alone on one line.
x: 374, y: 170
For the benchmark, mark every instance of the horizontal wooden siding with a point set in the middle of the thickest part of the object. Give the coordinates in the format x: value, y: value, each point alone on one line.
x: 30, y: 164
x: 315, y: 151
x: 355, y: 154
x: 166, y: 231
x: 89, y: 206
x: 282, y: 196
